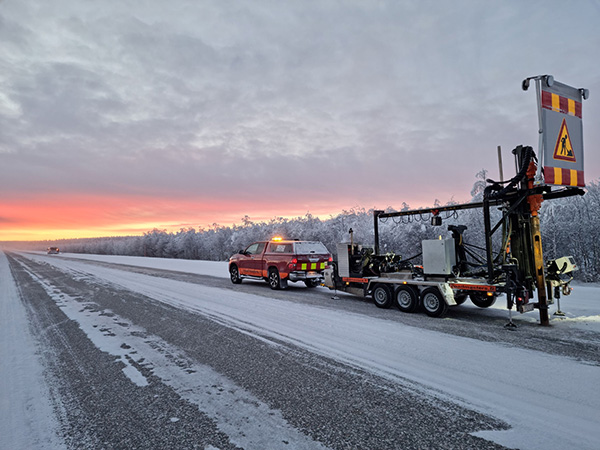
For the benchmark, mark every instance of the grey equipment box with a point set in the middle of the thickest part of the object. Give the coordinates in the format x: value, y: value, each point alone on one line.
x: 439, y: 256
x: 343, y: 252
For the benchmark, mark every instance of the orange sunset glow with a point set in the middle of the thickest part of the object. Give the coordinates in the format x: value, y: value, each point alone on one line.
x: 62, y: 217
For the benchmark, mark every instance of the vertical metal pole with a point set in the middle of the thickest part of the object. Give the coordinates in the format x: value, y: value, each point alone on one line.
x: 504, y: 238
x: 538, y: 258
x: 488, y: 238
x: 538, y: 93
x: 376, y: 229
x: 500, y: 163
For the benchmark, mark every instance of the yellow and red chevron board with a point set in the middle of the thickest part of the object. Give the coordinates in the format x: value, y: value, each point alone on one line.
x: 563, y: 177
x: 561, y: 115
x: 563, y: 105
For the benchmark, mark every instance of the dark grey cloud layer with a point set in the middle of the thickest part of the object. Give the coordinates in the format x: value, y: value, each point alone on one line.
x: 363, y: 103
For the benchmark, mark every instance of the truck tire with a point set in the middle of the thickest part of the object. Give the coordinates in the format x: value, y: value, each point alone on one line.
x: 234, y: 274
x: 433, y: 302
x: 382, y: 296
x: 311, y: 282
x: 482, y: 300
x: 407, y: 299
x: 275, y: 281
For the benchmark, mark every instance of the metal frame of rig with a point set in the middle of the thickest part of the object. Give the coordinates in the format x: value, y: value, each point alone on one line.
x: 447, y: 276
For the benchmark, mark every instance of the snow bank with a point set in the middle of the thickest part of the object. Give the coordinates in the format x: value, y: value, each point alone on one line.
x: 27, y: 419
x: 211, y: 268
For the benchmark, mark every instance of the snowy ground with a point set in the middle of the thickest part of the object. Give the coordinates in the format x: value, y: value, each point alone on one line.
x: 582, y: 308
x: 26, y: 419
x: 550, y: 401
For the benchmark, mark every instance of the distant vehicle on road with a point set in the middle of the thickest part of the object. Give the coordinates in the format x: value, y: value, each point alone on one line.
x: 277, y: 261
x: 53, y: 251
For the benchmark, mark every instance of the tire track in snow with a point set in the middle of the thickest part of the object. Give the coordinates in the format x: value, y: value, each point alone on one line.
x: 495, y: 379
x: 231, y: 406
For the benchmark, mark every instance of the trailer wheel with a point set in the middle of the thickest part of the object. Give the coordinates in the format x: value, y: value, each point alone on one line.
x: 482, y: 300
x: 460, y: 298
x: 275, y: 281
x: 433, y: 302
x: 234, y: 274
x: 407, y: 299
x: 382, y: 296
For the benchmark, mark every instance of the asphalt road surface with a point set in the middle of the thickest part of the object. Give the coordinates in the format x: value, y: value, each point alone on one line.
x: 126, y: 371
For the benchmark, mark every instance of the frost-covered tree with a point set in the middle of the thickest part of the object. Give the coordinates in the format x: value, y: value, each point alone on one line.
x: 570, y: 227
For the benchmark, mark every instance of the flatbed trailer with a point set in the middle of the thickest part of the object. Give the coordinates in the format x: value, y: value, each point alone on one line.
x: 517, y: 271
x: 407, y: 291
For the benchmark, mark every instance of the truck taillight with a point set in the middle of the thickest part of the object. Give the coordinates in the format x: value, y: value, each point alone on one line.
x: 292, y: 264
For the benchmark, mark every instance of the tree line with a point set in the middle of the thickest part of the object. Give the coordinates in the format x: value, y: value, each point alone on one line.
x: 570, y: 227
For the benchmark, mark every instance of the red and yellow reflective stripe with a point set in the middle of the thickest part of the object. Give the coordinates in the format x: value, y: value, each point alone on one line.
x: 355, y: 280
x: 563, y: 105
x: 473, y: 287
x: 563, y: 177
x: 313, y: 266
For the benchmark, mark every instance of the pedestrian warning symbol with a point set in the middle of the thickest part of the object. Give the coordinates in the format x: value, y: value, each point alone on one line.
x: 563, y: 149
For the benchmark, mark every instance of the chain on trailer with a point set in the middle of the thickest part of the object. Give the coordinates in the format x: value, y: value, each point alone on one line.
x: 511, y: 259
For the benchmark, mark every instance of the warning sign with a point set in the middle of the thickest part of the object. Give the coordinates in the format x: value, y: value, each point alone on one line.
x: 562, y: 139
x: 563, y: 149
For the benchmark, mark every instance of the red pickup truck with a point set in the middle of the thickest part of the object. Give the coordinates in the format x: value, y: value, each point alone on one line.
x: 278, y: 261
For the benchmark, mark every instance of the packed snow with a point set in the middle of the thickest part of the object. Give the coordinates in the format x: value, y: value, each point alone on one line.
x: 495, y: 379
x: 27, y: 419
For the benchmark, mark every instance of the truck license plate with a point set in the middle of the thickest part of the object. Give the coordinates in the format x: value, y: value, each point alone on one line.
x: 527, y: 307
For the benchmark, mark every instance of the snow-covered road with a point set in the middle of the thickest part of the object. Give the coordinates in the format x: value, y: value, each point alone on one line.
x: 24, y: 397
x: 550, y: 401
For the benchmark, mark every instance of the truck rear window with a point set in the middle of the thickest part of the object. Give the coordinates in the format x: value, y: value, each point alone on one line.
x: 280, y: 248
x: 306, y: 248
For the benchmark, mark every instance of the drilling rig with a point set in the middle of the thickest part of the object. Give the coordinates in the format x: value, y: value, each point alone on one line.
x: 514, y: 264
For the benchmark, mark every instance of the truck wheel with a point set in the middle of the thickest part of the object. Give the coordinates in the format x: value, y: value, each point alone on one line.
x: 311, y: 282
x: 433, y: 302
x: 382, y: 296
x: 234, y: 274
x: 482, y: 300
x: 407, y: 299
x: 275, y: 281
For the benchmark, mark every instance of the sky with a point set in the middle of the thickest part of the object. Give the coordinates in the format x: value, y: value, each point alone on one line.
x: 118, y: 117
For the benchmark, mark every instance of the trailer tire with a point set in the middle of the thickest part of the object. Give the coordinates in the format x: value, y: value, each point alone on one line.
x: 382, y: 296
x: 482, y: 300
x: 234, y: 274
x: 433, y: 302
x: 407, y: 299
x: 460, y: 298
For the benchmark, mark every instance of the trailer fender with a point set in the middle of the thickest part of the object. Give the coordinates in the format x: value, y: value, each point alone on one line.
x: 447, y: 293
x: 329, y: 277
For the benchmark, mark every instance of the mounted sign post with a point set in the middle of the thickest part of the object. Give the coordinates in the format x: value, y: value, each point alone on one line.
x: 561, y: 153
x: 561, y: 131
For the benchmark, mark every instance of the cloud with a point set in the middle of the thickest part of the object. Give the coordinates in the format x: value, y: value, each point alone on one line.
x: 279, y: 104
